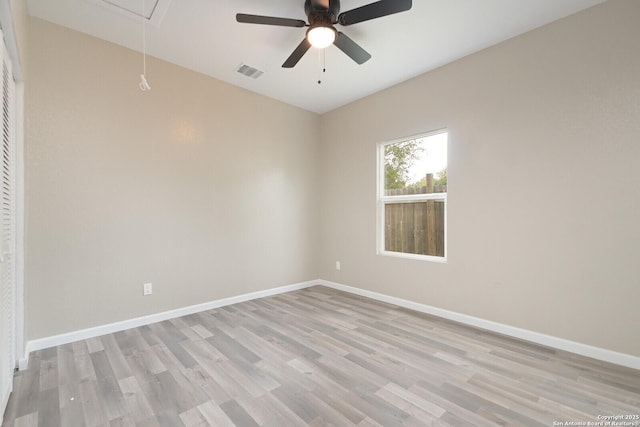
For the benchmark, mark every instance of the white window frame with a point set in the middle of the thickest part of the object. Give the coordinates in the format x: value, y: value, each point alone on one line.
x: 383, y: 200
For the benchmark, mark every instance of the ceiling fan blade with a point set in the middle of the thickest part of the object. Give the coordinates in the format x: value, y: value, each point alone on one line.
x: 269, y: 20
x: 351, y: 48
x: 374, y: 10
x: 297, y: 54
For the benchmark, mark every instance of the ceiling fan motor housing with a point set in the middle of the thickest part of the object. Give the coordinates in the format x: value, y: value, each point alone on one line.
x: 321, y: 16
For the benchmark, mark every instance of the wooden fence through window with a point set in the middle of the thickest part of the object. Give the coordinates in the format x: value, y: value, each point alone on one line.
x: 415, y: 227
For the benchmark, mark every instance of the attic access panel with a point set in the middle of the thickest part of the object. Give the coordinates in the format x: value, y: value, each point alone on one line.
x: 154, y: 10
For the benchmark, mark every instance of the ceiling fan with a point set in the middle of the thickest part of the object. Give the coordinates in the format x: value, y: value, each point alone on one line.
x: 322, y: 16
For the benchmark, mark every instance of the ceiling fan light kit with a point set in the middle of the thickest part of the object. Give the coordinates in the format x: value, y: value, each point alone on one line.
x: 321, y: 37
x: 322, y: 16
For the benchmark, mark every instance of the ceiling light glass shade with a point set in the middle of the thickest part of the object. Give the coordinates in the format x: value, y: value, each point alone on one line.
x: 321, y: 37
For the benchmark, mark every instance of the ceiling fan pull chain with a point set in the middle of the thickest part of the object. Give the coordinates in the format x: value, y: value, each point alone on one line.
x: 320, y: 51
x: 324, y: 61
x: 322, y: 64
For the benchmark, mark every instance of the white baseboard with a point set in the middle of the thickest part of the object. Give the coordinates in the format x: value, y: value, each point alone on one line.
x: 598, y: 353
x: 512, y: 331
x: 83, y: 334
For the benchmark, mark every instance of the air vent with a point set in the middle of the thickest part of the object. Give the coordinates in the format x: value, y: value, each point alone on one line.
x: 249, y: 71
x: 154, y: 10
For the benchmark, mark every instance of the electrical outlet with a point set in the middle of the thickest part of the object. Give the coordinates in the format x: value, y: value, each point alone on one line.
x: 147, y: 289
x: 338, y: 265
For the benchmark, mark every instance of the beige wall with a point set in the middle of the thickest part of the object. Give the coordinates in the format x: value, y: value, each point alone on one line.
x: 203, y: 189
x: 544, y: 194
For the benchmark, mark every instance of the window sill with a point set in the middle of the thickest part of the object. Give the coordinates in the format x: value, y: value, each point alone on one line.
x: 430, y: 258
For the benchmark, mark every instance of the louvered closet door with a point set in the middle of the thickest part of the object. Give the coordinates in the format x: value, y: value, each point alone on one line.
x: 7, y: 232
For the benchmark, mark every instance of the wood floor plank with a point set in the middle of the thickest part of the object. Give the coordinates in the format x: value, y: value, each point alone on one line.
x: 127, y: 421
x: 201, y: 331
x: 231, y: 348
x: 49, y: 407
x: 267, y: 410
x: 455, y: 414
x: 24, y: 399
x: 67, y: 367
x: 117, y: 361
x: 108, y: 389
x: 224, y: 386
x: 214, y: 415
x: 314, y: 357
x: 237, y: 414
x: 29, y: 420
x: 92, y: 406
x: 138, y: 407
x: 147, y: 334
x: 295, y: 398
x: 406, y: 407
x: 48, y: 369
x: 193, y: 418
x: 82, y: 360
x: 328, y: 414
x: 71, y: 411
x: 171, y: 337
x: 94, y: 344
x: 266, y: 350
x: 166, y: 357
x: 415, y: 400
x: 169, y: 419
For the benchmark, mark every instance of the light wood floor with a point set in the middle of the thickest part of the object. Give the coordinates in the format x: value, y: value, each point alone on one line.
x: 315, y: 357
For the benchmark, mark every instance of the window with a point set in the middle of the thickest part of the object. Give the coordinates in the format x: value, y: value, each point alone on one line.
x: 412, y: 197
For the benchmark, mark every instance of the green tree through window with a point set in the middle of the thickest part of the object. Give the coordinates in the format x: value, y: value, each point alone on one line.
x: 398, y: 158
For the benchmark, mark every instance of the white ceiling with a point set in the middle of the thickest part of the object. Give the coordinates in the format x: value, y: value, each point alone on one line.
x: 203, y: 35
